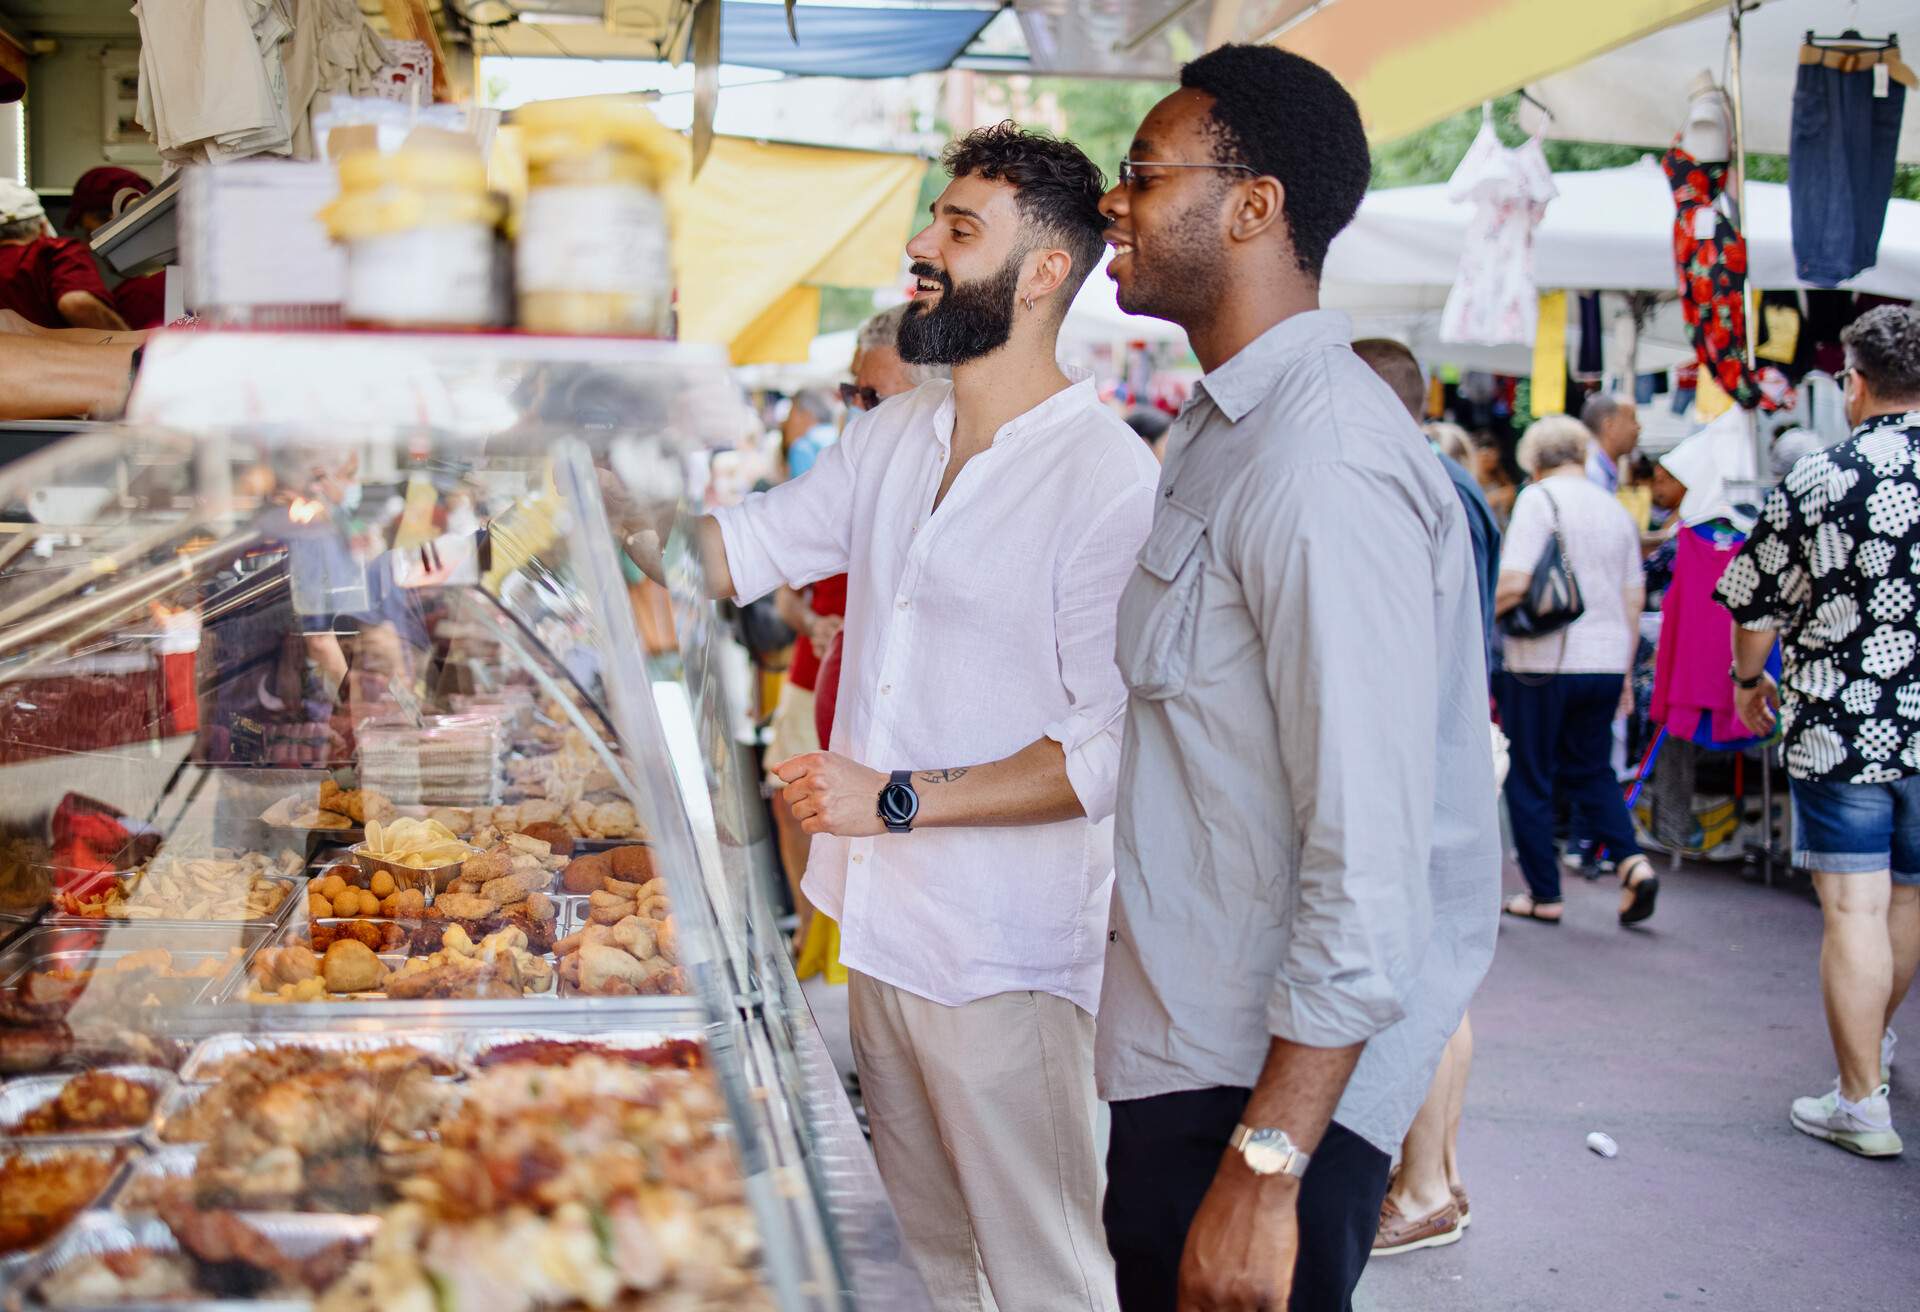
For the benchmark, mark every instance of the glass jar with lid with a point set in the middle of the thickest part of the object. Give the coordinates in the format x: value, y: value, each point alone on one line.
x: 419, y: 228
x: 593, y: 244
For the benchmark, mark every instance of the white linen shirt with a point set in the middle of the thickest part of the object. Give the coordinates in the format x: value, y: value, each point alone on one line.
x: 971, y: 631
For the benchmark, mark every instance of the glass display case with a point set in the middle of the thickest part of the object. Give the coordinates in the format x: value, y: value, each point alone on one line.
x: 381, y: 918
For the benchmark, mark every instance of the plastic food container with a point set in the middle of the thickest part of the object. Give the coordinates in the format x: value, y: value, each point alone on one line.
x: 418, y: 226
x: 592, y: 254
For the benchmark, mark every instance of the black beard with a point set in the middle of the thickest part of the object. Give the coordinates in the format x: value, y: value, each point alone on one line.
x: 972, y: 319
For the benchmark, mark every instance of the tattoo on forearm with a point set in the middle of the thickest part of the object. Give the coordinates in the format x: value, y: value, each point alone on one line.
x: 943, y: 776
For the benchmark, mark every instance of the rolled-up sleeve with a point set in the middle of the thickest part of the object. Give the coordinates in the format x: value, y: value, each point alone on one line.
x: 797, y: 533
x: 1337, y: 566
x: 1086, y: 603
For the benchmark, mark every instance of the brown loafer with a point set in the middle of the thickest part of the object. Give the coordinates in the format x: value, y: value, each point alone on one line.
x: 1466, y: 1209
x: 1399, y: 1233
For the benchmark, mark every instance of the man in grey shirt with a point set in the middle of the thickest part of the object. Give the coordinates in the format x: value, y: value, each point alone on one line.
x: 1308, y: 859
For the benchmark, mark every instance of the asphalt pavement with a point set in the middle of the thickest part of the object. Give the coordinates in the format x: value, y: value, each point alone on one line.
x: 1686, y: 1042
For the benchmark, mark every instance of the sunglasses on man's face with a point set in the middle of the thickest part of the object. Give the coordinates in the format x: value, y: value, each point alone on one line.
x: 860, y: 398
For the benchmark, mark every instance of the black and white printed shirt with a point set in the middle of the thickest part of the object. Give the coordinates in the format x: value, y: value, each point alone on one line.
x: 1834, y: 565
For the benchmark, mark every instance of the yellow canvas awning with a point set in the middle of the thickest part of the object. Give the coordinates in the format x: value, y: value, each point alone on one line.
x: 764, y: 227
x: 1413, y: 62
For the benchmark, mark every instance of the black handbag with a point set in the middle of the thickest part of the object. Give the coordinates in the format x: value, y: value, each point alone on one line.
x: 1553, y: 595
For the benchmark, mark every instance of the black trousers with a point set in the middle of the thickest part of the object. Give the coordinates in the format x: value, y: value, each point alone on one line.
x: 1160, y: 1161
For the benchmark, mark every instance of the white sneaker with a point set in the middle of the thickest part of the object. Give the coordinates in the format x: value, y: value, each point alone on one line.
x: 1887, y: 1042
x: 1864, y: 1127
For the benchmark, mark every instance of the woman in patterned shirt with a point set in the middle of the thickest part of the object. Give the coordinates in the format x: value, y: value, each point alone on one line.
x: 1833, y: 568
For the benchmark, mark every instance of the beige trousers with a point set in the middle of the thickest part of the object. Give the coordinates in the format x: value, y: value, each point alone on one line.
x: 983, y: 1128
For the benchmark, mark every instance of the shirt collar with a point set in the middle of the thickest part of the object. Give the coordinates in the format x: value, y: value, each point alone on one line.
x: 1077, y: 394
x: 1242, y: 382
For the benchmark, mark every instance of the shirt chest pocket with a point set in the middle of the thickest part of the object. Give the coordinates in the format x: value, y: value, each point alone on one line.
x: 1160, y: 609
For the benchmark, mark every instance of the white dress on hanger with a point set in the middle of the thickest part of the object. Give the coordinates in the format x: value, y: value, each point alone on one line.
x: 1494, y: 301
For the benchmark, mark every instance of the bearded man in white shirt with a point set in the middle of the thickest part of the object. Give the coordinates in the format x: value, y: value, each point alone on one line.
x: 961, y: 822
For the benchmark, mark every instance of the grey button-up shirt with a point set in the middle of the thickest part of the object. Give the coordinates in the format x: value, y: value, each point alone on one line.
x: 1306, y: 841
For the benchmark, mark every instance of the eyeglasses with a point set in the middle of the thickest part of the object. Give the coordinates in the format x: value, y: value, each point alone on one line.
x: 1130, y: 168
x: 860, y: 398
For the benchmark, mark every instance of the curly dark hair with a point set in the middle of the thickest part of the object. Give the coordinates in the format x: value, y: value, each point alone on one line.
x: 1289, y: 119
x: 1056, y: 186
x: 1884, y: 345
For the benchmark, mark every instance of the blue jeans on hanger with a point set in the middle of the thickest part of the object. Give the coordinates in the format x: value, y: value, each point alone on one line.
x: 1840, y: 170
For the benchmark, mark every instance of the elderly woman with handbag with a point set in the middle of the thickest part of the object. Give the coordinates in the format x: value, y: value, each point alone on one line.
x: 1569, y: 600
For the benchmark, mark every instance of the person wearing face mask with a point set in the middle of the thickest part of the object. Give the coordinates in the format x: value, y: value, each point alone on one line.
x: 985, y: 526
x: 1832, y: 571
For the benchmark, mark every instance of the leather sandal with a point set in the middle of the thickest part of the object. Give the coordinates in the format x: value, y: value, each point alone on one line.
x: 1512, y: 907
x: 1644, y: 891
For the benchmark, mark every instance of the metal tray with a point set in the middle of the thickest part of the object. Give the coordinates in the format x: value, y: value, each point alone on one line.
x: 170, y: 991
x: 236, y: 989
x: 12, y: 1263
x: 478, y: 1045
x: 200, y: 1066
x: 19, y: 1097
x: 131, y: 936
x: 95, y: 1233
x: 295, y: 887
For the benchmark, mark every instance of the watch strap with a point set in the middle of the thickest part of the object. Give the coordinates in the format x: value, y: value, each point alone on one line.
x: 899, y: 779
x: 1748, y: 684
x: 1296, y: 1161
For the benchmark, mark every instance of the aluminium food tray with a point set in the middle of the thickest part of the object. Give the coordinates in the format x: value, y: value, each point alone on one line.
x: 20, y: 1097
x: 95, y: 1233
x: 200, y: 1067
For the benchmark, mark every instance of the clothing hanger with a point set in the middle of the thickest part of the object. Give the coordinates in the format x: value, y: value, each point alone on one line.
x: 1852, y: 39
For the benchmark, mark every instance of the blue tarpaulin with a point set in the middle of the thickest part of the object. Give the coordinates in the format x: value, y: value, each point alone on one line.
x: 837, y: 42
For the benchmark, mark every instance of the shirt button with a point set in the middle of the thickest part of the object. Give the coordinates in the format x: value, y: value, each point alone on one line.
x: 904, y: 604
x: 886, y: 690
x: 858, y: 857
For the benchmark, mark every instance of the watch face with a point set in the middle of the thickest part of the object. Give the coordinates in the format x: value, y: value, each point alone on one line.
x: 898, y: 804
x: 1267, y: 1152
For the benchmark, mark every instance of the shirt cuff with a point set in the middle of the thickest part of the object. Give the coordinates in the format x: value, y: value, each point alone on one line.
x: 1092, y: 747
x: 1332, y: 1015
x: 749, y: 562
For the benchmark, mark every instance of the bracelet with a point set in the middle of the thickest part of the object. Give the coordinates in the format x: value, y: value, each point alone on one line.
x: 1747, y: 685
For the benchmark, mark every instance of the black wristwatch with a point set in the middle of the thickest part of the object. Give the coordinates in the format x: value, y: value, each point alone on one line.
x: 899, y: 804
x: 1747, y: 684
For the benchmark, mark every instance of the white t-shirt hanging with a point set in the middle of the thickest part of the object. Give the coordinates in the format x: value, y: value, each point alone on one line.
x: 1494, y: 301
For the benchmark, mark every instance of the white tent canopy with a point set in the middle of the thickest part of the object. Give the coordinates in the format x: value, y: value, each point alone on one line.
x: 1608, y: 230
x: 1637, y: 95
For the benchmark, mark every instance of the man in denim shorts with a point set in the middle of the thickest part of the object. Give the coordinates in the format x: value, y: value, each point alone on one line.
x: 1833, y: 568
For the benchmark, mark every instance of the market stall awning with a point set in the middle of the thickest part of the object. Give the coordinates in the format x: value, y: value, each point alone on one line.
x: 1636, y: 95
x: 766, y: 226
x: 848, y: 42
x: 1408, y: 62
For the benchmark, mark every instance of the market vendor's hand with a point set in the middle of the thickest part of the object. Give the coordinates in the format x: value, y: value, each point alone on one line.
x: 820, y: 633
x: 829, y: 794
x: 1758, y: 707
x: 1240, y: 1249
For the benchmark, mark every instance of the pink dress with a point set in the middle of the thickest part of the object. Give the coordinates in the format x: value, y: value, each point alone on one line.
x: 1494, y: 301
x: 1696, y: 642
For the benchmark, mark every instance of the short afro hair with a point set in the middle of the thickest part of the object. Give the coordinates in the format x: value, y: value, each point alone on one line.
x: 1884, y: 345
x: 1057, y: 188
x: 1288, y: 118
